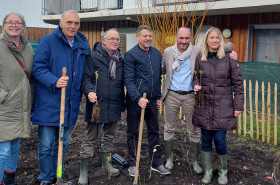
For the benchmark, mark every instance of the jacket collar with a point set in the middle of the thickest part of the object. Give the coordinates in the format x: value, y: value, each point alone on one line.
x: 7, y: 38
x: 102, y: 54
x: 80, y: 41
x: 142, y: 49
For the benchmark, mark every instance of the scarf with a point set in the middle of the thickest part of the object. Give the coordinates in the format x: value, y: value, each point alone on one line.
x: 212, y: 54
x: 180, y: 57
x: 114, y: 58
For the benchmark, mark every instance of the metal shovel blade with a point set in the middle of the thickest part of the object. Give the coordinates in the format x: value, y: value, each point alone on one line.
x: 62, y: 182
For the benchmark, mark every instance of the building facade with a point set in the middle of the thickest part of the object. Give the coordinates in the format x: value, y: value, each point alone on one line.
x: 253, y: 26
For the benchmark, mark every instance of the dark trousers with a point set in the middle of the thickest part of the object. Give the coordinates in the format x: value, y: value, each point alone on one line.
x: 219, y: 137
x: 151, y: 119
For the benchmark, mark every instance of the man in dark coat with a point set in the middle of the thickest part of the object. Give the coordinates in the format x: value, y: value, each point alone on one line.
x: 142, y: 74
x: 102, y: 83
x: 65, y: 47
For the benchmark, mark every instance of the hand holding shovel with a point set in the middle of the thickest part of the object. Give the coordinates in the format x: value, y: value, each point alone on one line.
x: 61, y: 135
x: 135, y: 182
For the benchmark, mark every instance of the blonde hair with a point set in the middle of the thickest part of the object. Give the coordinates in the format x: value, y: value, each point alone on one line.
x: 204, y: 45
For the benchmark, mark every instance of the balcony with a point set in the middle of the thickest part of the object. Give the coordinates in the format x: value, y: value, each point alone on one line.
x: 116, y: 10
x: 52, y: 7
x: 172, y: 2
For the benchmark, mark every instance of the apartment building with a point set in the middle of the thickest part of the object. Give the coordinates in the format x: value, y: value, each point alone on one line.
x: 253, y: 26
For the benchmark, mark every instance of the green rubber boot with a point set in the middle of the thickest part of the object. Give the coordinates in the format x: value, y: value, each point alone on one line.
x: 207, y: 167
x: 222, y: 169
x: 194, y: 157
x: 169, y: 154
x: 83, y: 179
x: 106, y: 165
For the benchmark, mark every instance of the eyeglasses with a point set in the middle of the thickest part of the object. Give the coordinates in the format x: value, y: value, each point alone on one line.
x: 113, y: 39
x: 14, y: 23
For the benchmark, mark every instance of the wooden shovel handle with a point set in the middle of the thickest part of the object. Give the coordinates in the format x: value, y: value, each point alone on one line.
x: 61, y: 129
x: 139, y: 143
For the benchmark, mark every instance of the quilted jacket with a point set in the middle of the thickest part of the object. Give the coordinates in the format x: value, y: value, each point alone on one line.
x: 220, y: 79
x: 142, y: 73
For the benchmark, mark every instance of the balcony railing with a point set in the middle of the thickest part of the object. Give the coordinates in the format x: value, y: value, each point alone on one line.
x: 162, y: 2
x: 51, y: 7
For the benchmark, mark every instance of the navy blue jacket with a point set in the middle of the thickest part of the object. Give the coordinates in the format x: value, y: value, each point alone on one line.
x: 142, y: 73
x: 110, y: 92
x: 52, y: 54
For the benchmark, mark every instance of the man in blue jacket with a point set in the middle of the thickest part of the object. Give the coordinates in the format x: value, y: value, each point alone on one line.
x: 65, y: 47
x: 142, y: 74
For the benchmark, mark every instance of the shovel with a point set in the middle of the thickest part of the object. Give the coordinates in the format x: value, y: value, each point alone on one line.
x: 61, y: 135
x: 135, y: 182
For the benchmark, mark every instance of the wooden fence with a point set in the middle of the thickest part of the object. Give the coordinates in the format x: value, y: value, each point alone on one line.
x: 255, y: 121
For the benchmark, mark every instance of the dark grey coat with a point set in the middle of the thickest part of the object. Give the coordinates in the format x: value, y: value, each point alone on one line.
x: 221, y: 77
x: 110, y: 92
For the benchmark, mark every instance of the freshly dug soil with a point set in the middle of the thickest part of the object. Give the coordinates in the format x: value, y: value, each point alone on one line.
x: 249, y: 162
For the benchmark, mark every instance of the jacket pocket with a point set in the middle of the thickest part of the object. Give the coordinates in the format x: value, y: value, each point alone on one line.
x: 226, y: 108
x: 3, y: 95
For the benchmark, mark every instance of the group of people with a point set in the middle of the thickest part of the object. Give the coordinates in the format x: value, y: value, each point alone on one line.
x: 101, y: 75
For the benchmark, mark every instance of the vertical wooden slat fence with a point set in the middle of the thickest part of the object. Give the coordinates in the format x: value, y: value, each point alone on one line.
x: 268, y: 113
x: 244, y: 112
x: 250, y: 124
x: 266, y: 117
x: 275, y: 115
x: 263, y: 116
x: 257, y: 109
x: 251, y: 110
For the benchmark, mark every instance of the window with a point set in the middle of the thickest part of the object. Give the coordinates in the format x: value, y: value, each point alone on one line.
x: 266, y: 43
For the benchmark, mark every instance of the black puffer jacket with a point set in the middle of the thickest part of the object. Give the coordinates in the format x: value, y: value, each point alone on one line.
x: 110, y: 92
x: 220, y: 78
x: 142, y: 73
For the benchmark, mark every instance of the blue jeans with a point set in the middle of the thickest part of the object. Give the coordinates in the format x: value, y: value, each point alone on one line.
x: 219, y: 140
x: 9, y: 152
x: 48, y: 151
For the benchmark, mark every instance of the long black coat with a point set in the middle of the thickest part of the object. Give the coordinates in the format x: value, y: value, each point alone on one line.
x: 220, y: 78
x: 110, y: 92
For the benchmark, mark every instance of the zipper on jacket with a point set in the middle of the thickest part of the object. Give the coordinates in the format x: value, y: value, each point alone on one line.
x: 152, y: 73
x: 140, y: 84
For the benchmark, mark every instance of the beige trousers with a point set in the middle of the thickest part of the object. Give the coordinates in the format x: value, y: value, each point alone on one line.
x: 91, y: 141
x: 172, y: 104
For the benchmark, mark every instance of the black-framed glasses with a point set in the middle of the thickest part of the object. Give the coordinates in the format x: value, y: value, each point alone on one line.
x: 14, y: 23
x: 113, y: 39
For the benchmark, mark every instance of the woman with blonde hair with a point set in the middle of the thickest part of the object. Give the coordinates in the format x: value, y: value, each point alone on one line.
x: 15, y: 93
x: 217, y: 77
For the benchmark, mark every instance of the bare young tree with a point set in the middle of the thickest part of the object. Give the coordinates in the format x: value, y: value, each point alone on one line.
x: 166, y: 16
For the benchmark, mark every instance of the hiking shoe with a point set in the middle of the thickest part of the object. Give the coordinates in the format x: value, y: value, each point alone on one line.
x: 161, y: 169
x: 131, y: 171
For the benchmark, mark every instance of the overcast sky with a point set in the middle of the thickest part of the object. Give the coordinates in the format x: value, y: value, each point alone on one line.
x: 30, y: 9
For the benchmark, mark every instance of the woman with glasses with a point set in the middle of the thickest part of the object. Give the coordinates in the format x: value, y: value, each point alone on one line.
x: 215, y: 112
x: 16, y: 57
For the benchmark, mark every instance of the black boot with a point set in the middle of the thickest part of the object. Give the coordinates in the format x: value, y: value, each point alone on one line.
x: 9, y: 178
